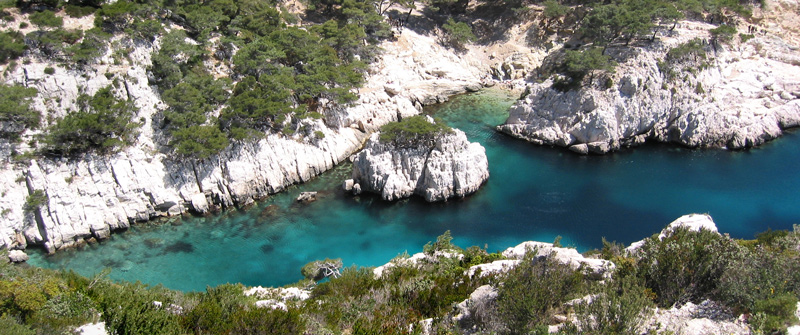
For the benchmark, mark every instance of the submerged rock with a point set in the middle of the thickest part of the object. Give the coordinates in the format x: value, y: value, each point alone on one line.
x: 306, y: 197
x: 450, y: 167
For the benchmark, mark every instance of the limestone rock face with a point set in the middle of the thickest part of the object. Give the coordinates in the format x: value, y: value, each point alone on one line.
x: 598, y: 268
x: 451, y: 167
x: 746, y: 96
x: 95, y: 195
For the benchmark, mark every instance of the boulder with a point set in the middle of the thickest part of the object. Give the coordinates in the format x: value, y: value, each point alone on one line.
x: 306, y: 197
x: 449, y: 167
x: 597, y: 268
x: 17, y: 256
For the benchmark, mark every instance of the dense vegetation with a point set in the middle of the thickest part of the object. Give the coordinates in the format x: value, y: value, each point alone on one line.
x: 413, y: 131
x: 621, y: 23
x: 103, y: 123
x: 235, y: 69
x: 16, y: 114
x: 758, y: 277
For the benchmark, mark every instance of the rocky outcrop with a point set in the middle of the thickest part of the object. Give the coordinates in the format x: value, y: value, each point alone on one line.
x: 691, y: 222
x: 450, y: 167
x: 598, y: 268
x: 17, y: 256
x: 93, y: 196
x: 747, y: 94
x: 705, y: 318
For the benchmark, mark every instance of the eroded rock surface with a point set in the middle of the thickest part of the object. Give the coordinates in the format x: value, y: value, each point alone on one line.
x: 450, y: 167
x: 745, y: 96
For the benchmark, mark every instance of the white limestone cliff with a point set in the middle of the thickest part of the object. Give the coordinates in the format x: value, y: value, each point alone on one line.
x: 450, y: 167
x: 91, y: 197
x: 747, y: 95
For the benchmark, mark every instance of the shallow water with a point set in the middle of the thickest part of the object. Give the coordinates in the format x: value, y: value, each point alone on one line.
x: 534, y: 193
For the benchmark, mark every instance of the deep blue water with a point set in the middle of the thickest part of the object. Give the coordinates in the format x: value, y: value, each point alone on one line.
x: 534, y: 193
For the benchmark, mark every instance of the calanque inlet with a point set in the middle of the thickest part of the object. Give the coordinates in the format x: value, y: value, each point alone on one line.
x: 303, y: 145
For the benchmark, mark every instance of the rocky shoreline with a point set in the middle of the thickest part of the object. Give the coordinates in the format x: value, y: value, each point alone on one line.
x: 89, y: 198
x: 744, y: 96
x: 449, y: 167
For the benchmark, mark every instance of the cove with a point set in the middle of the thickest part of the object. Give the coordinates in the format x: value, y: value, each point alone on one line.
x: 533, y: 193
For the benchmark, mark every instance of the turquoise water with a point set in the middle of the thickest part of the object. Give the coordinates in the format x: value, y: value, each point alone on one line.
x: 534, y: 193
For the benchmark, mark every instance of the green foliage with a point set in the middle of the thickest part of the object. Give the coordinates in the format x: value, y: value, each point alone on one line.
x: 78, y: 11
x: 11, y: 326
x: 15, y: 110
x: 578, y: 64
x: 12, y: 45
x: 458, y: 33
x: 774, y: 314
x: 52, y: 43
x: 49, y: 70
x: 318, y: 270
x: 554, y: 10
x: 618, y: 307
x: 214, y: 313
x: 617, y: 20
x: 103, y: 123
x: 35, y: 200
x: 174, y: 60
x: 689, y: 53
x: 723, y: 33
x: 443, y: 243
x: 93, y: 46
x: 685, y: 266
x: 266, y: 321
x: 46, y: 18
x: 71, y: 308
x: 699, y: 88
x: 533, y: 291
x: 691, y: 50
x: 413, y: 131
x: 129, y: 309
x: 199, y: 141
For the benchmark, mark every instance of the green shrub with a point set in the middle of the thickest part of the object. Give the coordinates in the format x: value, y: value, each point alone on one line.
x: 534, y: 290
x: 774, y: 314
x: 576, y: 65
x: 103, y: 123
x: 53, y: 43
x: 46, y: 18
x: 12, y: 45
x: 78, y: 11
x: 699, y: 88
x: 49, y: 70
x: 11, y: 326
x: 723, y: 33
x: 685, y: 266
x: 35, y: 200
x: 618, y: 307
x: 443, y: 243
x: 413, y: 131
x: 318, y: 270
x: 93, y: 46
x: 267, y: 321
x: 63, y: 311
x: 130, y: 309
x: 214, y: 314
x: 16, y: 111
x: 458, y: 33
